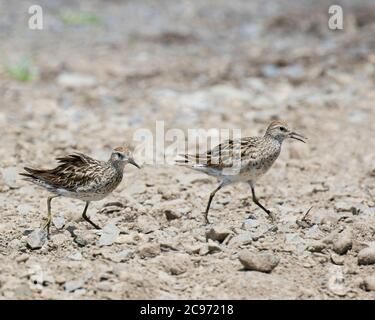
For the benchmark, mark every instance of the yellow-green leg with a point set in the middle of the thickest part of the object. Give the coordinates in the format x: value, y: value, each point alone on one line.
x: 49, y: 217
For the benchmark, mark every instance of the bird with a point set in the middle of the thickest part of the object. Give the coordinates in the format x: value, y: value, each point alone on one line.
x: 242, y: 160
x: 81, y: 177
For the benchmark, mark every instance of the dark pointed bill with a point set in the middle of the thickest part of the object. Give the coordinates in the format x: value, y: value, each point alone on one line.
x: 297, y: 136
x: 131, y: 161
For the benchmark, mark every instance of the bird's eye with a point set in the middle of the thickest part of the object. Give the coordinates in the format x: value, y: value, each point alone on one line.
x: 283, y: 129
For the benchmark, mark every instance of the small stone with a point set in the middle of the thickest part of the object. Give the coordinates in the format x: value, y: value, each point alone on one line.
x: 218, y: 234
x: 344, y: 242
x: 80, y: 241
x: 76, y: 256
x: 149, y: 250
x: 59, y: 239
x: 24, y: 208
x: 176, y: 264
x: 336, y: 281
x: 10, y: 177
x: 262, y: 262
x: 105, y: 286
x: 368, y: 283
x: 22, y: 258
x: 337, y: 259
x: 316, y: 246
x: 242, y: 239
x: 213, y: 246
x: 125, y: 255
x: 58, y: 222
x: 76, y: 80
x: 367, y: 256
x: 73, y: 285
x: 147, y: 224
x: 36, y: 239
x: 109, y: 235
x: 172, y: 214
x: 343, y: 206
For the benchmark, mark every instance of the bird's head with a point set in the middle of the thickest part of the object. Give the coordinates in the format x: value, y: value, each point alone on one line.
x: 123, y: 156
x: 280, y: 131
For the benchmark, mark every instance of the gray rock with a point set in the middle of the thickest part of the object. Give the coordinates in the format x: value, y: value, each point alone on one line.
x: 343, y: 206
x: 36, y: 239
x: 242, y: 239
x: 10, y: 176
x: 213, y: 246
x: 149, y: 250
x: 336, y: 281
x: 76, y: 256
x: 218, y: 234
x: 81, y: 241
x: 172, y: 214
x: 263, y: 262
x: 109, y: 235
x: 367, y: 256
x: 316, y: 246
x: 147, y: 224
x: 368, y: 283
x: 58, y: 222
x: 344, y: 242
x: 76, y: 80
x: 124, y: 255
x: 24, y: 208
x: 73, y: 285
x: 337, y: 259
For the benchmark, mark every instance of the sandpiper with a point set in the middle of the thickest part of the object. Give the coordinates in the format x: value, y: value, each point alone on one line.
x: 242, y: 160
x: 81, y: 177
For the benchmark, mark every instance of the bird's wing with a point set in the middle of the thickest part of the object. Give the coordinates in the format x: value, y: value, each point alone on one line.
x: 74, y: 170
x: 226, y: 153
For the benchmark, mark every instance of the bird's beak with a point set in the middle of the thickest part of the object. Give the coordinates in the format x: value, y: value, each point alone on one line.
x: 131, y: 161
x: 297, y: 136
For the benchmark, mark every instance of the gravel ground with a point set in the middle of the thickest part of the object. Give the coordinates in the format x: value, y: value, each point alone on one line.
x: 92, y: 81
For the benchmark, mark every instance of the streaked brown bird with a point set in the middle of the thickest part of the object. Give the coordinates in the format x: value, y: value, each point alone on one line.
x: 81, y: 177
x: 242, y: 160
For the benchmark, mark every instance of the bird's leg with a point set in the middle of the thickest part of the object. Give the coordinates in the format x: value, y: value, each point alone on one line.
x: 256, y: 201
x: 84, y: 216
x: 212, y: 194
x: 49, y: 217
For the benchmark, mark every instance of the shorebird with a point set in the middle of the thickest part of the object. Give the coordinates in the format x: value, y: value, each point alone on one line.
x: 242, y: 160
x: 81, y: 177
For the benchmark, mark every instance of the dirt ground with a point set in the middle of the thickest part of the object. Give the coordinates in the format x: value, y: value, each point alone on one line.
x: 88, y: 82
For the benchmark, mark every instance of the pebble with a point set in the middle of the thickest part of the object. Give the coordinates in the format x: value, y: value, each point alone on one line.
x: 10, y: 177
x: 109, y: 235
x: 73, y: 285
x: 149, y: 250
x: 343, y: 243
x: 176, y: 264
x: 22, y: 258
x: 263, y: 262
x: 316, y: 246
x: 368, y: 283
x: 147, y: 224
x: 24, y: 208
x: 218, y: 233
x: 172, y: 214
x: 58, y: 222
x: 337, y: 259
x: 76, y: 256
x: 36, y: 239
x: 367, y: 256
x: 81, y: 241
x: 336, y: 281
x: 76, y: 80
x: 343, y: 206
x: 213, y: 246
